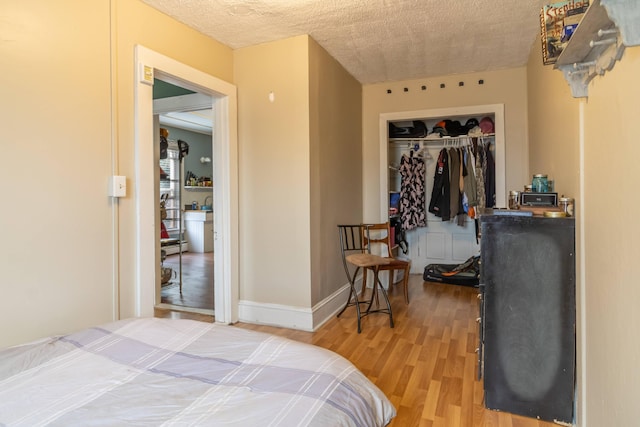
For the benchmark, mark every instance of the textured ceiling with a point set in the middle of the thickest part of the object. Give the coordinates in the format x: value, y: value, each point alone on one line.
x: 378, y: 40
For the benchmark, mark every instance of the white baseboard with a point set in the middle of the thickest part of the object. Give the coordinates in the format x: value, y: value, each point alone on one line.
x: 301, y: 318
x: 172, y: 307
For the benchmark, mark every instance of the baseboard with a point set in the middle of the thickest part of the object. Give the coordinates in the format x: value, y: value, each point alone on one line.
x: 185, y: 309
x: 330, y: 306
x: 300, y: 318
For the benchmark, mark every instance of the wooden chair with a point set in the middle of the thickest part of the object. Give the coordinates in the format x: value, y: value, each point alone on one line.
x: 380, y: 234
x: 356, y: 256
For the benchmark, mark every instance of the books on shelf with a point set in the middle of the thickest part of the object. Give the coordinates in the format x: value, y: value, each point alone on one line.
x: 558, y: 21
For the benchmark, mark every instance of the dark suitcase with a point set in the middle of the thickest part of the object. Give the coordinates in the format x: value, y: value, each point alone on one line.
x: 466, y: 274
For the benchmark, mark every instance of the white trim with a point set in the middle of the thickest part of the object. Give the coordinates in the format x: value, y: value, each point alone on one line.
x: 283, y: 316
x: 226, y: 195
x: 581, y: 380
x: 115, y: 166
x: 476, y: 110
x: 195, y: 310
x: 326, y: 309
x: 291, y: 317
x: 191, y: 102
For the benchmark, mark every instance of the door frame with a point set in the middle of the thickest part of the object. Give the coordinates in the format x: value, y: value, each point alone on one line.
x: 224, y: 103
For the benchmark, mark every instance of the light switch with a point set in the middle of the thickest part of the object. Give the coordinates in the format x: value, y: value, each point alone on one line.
x: 146, y: 74
x: 118, y: 186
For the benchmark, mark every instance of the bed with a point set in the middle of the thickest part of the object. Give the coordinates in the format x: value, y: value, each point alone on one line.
x: 153, y: 372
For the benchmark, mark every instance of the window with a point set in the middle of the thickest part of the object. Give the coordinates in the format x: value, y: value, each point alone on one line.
x: 170, y: 184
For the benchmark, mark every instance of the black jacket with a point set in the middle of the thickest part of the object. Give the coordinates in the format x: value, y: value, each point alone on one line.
x: 440, y: 195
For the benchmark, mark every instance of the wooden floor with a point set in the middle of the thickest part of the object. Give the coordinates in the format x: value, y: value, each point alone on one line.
x: 197, y: 281
x: 426, y: 364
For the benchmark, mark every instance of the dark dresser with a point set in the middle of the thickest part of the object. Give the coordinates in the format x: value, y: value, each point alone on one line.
x: 528, y: 310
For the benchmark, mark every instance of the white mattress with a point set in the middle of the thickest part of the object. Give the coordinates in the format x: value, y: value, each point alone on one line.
x: 153, y: 372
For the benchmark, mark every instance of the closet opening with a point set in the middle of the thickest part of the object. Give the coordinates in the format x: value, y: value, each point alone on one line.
x: 412, y: 146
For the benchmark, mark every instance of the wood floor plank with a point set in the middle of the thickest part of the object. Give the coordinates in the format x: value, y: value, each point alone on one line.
x: 426, y: 364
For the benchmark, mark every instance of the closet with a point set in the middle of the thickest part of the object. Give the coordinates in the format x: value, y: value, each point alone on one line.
x: 437, y: 240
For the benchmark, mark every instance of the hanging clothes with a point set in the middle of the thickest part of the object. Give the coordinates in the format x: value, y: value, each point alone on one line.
x: 412, y: 192
x: 490, y: 177
x: 462, y: 212
x: 454, y: 181
x: 440, y: 197
x: 456, y: 169
x: 480, y: 161
x: 470, y: 185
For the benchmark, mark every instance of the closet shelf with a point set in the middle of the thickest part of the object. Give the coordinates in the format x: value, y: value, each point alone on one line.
x: 198, y: 187
x: 438, y: 140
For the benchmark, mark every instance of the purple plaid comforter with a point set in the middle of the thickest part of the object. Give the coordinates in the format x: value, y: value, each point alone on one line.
x: 152, y: 372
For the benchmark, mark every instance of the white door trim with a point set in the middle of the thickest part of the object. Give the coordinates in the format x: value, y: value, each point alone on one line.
x: 225, y: 182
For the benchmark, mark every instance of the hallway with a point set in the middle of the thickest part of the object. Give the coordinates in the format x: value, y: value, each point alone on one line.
x: 197, y: 281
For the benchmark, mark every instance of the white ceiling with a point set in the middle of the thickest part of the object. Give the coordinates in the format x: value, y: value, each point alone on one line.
x: 191, y: 112
x: 196, y: 121
x: 378, y: 40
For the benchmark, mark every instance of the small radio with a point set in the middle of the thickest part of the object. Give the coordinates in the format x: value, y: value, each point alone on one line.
x: 538, y: 199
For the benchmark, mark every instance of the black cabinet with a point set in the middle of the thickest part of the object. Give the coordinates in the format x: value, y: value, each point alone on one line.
x: 528, y: 315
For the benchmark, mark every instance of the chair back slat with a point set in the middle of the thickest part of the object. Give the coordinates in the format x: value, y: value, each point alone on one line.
x: 378, y: 234
x: 351, y: 241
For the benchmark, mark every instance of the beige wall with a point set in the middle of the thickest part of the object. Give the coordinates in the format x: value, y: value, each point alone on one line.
x: 612, y: 245
x: 137, y: 23
x: 300, y: 158
x: 554, y: 129
x: 506, y: 87
x: 336, y: 165
x: 553, y: 125
x: 56, y: 144
x: 606, y: 224
x: 67, y: 69
x: 273, y: 144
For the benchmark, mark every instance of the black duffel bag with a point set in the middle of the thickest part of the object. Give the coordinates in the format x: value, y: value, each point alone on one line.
x: 467, y: 273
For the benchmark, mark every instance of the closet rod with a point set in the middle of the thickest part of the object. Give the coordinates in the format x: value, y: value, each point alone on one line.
x: 433, y: 143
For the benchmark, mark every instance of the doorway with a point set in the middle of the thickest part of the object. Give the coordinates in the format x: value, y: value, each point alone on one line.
x: 185, y: 123
x: 151, y: 65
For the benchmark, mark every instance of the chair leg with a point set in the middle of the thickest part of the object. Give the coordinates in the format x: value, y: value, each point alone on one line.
x: 405, y: 282
x: 386, y: 298
x: 364, y: 282
x: 374, y: 294
x: 353, y: 294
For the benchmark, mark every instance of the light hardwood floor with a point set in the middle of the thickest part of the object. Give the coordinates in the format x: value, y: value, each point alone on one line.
x: 197, y: 281
x: 426, y: 364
